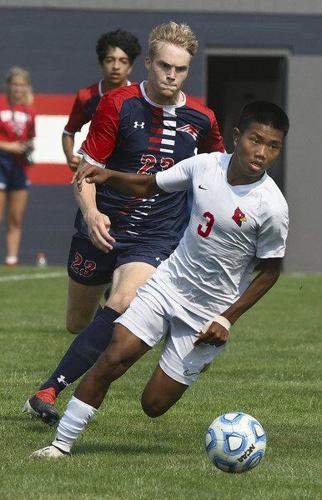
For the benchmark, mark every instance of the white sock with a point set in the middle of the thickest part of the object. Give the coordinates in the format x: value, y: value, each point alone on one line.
x: 11, y: 260
x: 76, y: 417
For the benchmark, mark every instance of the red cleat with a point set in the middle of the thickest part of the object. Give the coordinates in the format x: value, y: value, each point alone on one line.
x: 41, y: 405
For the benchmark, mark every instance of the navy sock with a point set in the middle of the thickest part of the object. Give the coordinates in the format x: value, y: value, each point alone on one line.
x: 84, y: 350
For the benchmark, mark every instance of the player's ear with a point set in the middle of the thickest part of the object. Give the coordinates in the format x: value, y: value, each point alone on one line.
x: 236, y: 136
x: 147, y: 62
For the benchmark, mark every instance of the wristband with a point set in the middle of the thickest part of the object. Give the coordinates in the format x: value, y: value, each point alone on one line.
x: 223, y: 322
x: 218, y: 319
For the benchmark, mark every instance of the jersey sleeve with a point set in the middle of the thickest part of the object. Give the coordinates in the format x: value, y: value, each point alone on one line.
x: 212, y: 141
x: 272, y: 235
x: 76, y: 118
x: 102, y: 136
x: 177, y: 178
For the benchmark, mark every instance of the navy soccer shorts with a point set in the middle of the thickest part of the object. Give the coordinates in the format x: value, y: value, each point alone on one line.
x: 12, y: 175
x: 90, y: 266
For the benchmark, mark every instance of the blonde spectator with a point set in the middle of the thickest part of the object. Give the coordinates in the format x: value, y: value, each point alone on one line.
x: 17, y: 131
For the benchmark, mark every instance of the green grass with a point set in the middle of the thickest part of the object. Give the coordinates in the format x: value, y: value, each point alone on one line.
x: 271, y: 369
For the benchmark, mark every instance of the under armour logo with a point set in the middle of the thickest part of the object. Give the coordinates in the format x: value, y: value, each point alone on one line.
x: 137, y: 124
x: 61, y: 380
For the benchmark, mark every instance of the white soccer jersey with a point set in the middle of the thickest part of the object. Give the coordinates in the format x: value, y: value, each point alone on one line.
x: 230, y: 228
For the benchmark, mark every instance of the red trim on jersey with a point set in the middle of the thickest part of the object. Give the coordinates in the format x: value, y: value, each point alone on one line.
x: 101, y: 139
x: 157, y: 112
x: 155, y: 139
x: 213, y: 140
x: 157, y: 121
x: 157, y: 130
x: 77, y: 117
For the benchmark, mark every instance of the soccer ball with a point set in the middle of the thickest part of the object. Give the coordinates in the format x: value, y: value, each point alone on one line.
x: 235, y: 442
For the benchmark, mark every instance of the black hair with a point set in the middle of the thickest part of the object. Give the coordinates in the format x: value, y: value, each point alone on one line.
x: 263, y: 112
x: 119, y: 38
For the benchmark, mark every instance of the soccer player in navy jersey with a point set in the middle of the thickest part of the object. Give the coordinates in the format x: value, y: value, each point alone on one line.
x: 141, y: 129
x: 116, y: 52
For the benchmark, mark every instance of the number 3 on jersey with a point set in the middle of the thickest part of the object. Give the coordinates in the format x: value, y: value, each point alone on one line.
x: 210, y: 220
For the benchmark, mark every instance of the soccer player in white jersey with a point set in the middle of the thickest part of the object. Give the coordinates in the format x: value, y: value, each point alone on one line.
x: 239, y: 219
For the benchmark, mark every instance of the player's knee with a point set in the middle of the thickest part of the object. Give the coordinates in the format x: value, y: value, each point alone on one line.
x: 120, y: 301
x: 112, y: 365
x: 14, y: 222
x: 75, y: 326
x: 152, y: 407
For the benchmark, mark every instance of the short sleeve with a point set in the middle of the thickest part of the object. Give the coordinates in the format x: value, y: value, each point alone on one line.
x: 76, y: 118
x: 272, y: 235
x: 101, y: 139
x: 177, y: 178
x: 213, y: 140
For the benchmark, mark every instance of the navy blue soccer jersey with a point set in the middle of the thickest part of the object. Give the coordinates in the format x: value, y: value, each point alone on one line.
x: 130, y: 133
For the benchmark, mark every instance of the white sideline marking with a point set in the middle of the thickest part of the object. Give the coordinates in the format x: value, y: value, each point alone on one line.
x: 37, y: 276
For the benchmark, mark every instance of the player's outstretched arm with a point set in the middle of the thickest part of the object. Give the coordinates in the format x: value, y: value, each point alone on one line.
x: 128, y: 184
x: 269, y: 273
x: 98, y: 223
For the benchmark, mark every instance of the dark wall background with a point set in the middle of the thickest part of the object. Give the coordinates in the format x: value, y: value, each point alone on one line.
x: 58, y: 47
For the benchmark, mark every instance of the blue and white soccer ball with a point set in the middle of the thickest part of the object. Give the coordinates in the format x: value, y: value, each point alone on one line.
x: 235, y: 442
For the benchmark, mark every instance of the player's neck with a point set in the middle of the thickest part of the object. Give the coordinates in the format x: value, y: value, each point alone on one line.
x: 235, y: 175
x: 15, y: 102
x: 107, y: 86
x: 161, y: 100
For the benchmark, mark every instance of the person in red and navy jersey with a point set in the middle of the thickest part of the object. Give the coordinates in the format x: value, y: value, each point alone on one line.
x: 152, y: 137
x: 141, y: 129
x: 116, y: 52
x: 17, y: 131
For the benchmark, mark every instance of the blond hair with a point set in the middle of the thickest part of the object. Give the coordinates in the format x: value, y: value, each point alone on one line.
x: 180, y: 35
x: 17, y: 71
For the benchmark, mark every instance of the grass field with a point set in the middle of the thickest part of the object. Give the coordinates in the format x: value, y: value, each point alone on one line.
x: 271, y: 369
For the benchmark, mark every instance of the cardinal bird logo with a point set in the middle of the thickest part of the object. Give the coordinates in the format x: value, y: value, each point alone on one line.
x: 239, y: 217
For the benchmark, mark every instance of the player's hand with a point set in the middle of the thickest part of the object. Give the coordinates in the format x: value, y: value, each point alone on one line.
x: 89, y: 174
x: 212, y: 333
x: 73, y: 162
x: 16, y: 147
x: 98, y: 230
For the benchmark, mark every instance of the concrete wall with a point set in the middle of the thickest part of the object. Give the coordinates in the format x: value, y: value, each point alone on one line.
x: 304, y: 165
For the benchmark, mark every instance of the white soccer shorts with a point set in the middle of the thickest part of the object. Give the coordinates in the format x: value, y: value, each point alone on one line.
x: 152, y: 315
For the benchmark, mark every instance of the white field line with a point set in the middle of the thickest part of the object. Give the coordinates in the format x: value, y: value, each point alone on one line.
x: 36, y: 276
